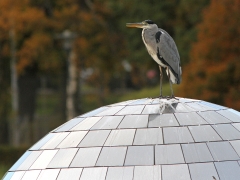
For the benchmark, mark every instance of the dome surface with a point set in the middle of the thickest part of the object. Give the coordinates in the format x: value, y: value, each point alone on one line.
x: 143, y: 139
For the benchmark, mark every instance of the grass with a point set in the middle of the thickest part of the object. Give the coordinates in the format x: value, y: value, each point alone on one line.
x: 3, y: 170
x: 147, y: 92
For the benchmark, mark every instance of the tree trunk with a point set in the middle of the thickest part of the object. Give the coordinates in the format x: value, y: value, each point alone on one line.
x: 71, y: 88
x: 14, y: 89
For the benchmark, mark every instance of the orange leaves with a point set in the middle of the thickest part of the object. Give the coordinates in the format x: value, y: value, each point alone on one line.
x: 28, y: 24
x: 216, y: 55
x: 31, y: 50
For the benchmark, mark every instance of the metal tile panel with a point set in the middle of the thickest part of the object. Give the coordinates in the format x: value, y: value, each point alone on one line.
x: 63, y: 158
x: 205, y: 106
x: 222, y: 151
x: 94, y: 138
x: 148, y: 136
x: 134, y: 121
x: 188, y: 119
x: 131, y: 110
x: 9, y: 175
x: 31, y: 175
x: 29, y: 160
x: 69, y: 125
x: 151, y: 109
x: 73, y: 139
x: 202, y: 171
x: 120, y: 173
x: 177, y: 135
x: 181, y: 107
x: 235, y: 112
x: 49, y: 174
x: 147, y: 173
x: 236, y: 125
x: 55, y: 140
x: 162, y: 120
x: 43, y: 141
x: 70, y: 173
x: 44, y: 159
x: 94, y: 112
x: 141, y: 101
x: 20, y: 161
x: 98, y: 173
x: 228, y: 170
x: 108, y: 122
x: 124, y: 103
x: 204, y: 133
x: 86, y: 124
x: 175, y: 172
x: 227, y: 131
x: 168, y: 154
x: 86, y: 157
x: 198, y: 107
x: 112, y: 156
x: 236, y: 146
x: 17, y: 175
x: 120, y: 137
x: 111, y: 111
x: 180, y: 99
x: 213, y: 118
x: 214, y: 106
x: 196, y: 152
x: 139, y: 155
x: 230, y: 114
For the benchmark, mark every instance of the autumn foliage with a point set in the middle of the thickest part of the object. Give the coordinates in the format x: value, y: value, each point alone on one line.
x: 213, y: 73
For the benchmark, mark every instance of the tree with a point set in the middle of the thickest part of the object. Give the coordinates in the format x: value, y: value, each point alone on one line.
x: 213, y: 73
x: 27, y: 46
x: 185, y: 29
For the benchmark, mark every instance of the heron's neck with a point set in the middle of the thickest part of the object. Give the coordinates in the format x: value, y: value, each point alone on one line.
x: 148, y: 34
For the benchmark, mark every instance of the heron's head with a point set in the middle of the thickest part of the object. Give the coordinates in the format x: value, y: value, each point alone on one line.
x: 147, y: 24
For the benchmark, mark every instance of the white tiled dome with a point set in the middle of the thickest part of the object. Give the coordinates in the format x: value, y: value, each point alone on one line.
x: 143, y: 139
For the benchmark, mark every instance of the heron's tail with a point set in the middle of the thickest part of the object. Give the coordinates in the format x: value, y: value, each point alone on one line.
x: 176, y: 78
x: 179, y: 75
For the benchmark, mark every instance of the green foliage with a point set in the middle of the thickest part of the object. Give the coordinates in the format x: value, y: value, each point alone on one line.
x: 9, y: 155
x: 147, y: 93
x: 3, y: 169
x: 189, y: 14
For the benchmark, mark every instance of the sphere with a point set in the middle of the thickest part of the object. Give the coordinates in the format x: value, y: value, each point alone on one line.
x: 142, y: 139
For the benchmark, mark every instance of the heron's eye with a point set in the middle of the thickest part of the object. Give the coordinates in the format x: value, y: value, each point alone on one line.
x: 144, y: 22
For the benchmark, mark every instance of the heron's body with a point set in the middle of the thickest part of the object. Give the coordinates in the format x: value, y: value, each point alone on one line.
x: 162, y: 49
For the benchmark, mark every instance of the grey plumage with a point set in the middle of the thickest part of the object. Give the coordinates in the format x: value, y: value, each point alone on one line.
x: 162, y: 48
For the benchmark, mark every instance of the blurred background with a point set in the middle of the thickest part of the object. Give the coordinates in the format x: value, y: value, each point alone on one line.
x: 62, y: 58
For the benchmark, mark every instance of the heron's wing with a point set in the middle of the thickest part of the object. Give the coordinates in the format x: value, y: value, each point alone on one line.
x: 167, y: 49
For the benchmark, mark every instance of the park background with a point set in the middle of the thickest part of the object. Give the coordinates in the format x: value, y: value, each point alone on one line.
x: 62, y: 58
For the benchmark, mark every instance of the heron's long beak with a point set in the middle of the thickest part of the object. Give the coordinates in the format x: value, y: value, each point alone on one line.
x: 135, y: 25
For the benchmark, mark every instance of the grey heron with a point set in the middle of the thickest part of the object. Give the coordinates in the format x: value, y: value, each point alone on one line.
x: 162, y: 48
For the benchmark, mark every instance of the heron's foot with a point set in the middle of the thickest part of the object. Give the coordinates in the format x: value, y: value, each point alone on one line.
x: 173, y: 97
x: 158, y: 97
x: 164, y: 97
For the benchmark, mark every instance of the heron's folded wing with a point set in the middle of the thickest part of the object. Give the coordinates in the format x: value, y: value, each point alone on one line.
x: 168, y: 50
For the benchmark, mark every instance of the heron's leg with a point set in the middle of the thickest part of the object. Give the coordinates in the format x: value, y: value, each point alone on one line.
x: 161, y: 77
x: 172, y: 95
